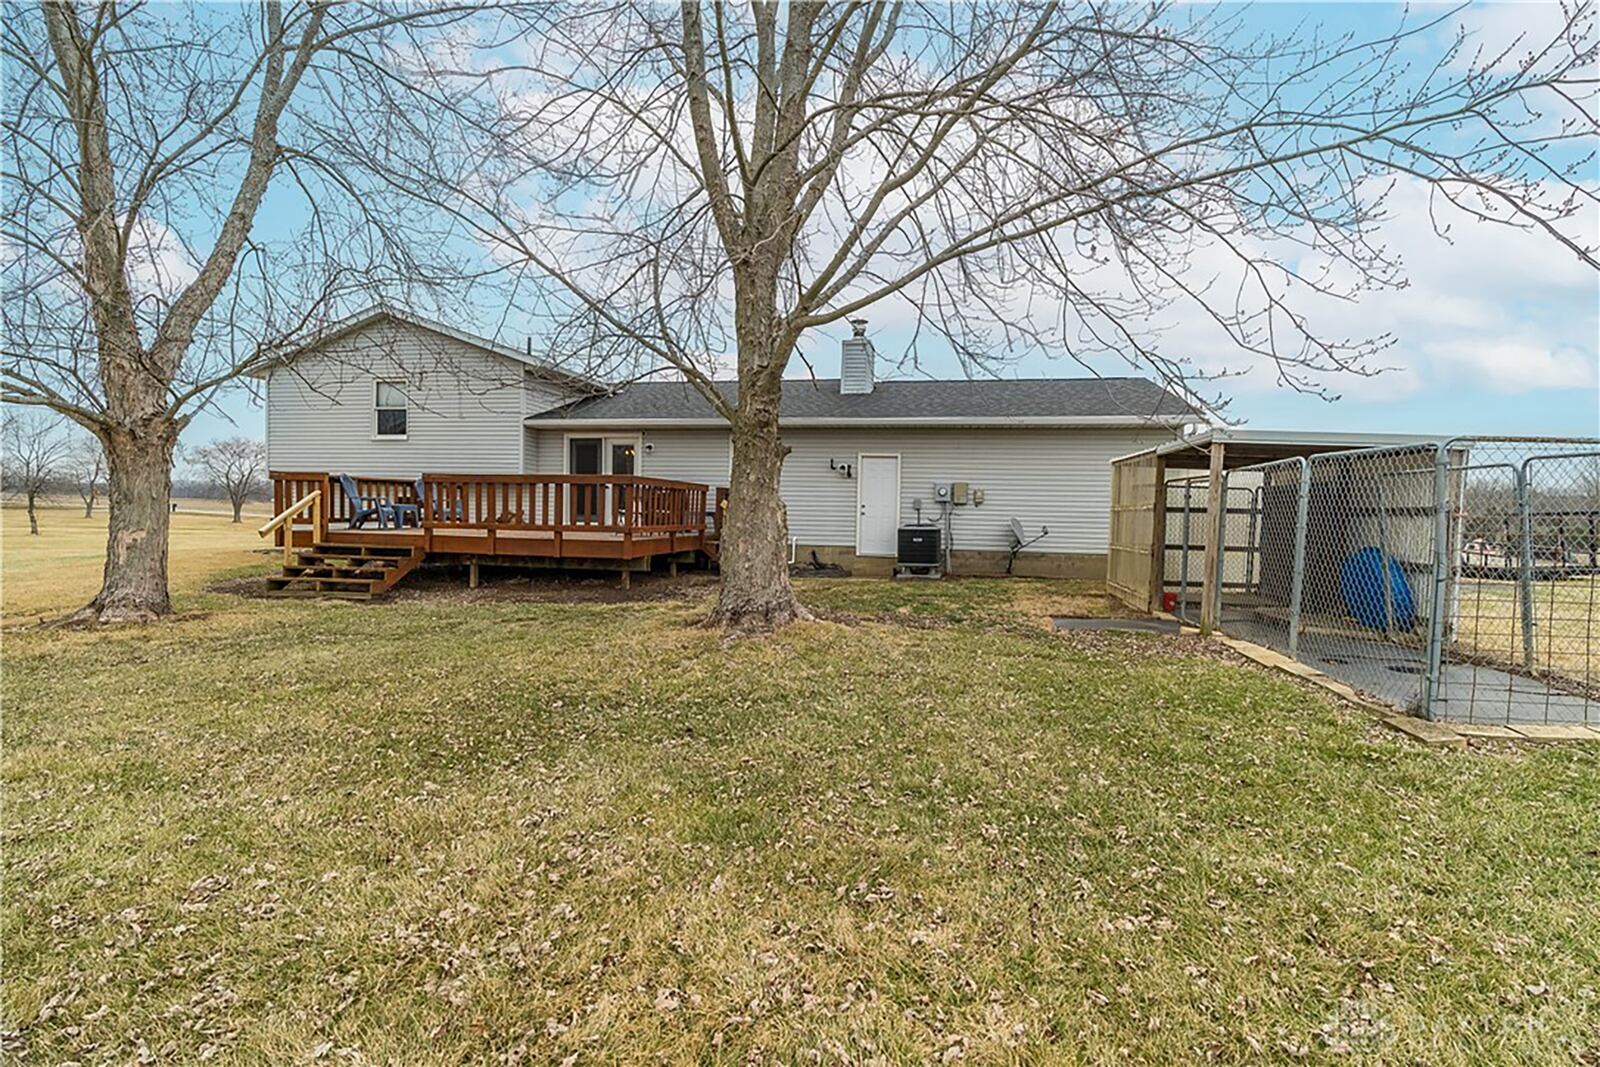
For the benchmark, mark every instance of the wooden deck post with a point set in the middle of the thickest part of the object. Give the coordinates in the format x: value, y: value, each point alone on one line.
x: 627, y: 578
x: 1216, y: 528
x: 472, y: 573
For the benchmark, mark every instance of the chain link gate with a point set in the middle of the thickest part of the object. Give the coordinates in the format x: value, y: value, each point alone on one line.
x: 1184, y: 548
x: 1457, y: 580
x: 1346, y: 565
x: 1524, y: 640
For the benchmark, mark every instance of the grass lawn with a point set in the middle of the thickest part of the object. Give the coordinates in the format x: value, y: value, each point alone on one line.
x: 446, y: 829
x: 60, y: 569
x: 1566, y: 624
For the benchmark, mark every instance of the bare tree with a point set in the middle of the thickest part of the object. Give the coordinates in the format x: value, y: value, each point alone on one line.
x: 141, y: 142
x: 35, y: 446
x: 234, y: 465
x: 676, y: 183
x: 86, y: 465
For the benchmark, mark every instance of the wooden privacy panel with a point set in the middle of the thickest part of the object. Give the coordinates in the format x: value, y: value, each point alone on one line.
x: 1137, y: 514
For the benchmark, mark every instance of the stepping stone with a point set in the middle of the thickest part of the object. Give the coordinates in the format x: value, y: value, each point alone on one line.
x: 1486, y: 730
x: 1554, y: 732
x: 1149, y: 626
x: 1432, y: 734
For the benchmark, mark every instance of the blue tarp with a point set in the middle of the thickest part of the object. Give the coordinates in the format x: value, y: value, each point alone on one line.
x: 1361, y: 583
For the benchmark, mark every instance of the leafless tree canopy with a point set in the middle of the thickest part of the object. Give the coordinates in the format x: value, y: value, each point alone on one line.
x: 1023, y: 177
x: 235, y: 465
x: 36, y: 447
x: 697, y: 187
x: 156, y: 229
x: 173, y: 221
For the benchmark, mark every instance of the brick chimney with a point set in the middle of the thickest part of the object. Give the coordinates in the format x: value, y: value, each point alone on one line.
x: 856, y: 359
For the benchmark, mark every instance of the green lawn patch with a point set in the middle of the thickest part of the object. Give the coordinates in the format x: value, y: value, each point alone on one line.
x: 437, y: 832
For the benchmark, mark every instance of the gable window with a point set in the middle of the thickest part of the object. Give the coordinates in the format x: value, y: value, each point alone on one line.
x: 390, y: 402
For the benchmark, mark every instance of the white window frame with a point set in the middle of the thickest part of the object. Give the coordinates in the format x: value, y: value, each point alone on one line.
x: 899, y: 466
x: 376, y: 436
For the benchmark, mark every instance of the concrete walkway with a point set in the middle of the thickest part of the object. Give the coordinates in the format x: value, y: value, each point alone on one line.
x: 1472, y: 693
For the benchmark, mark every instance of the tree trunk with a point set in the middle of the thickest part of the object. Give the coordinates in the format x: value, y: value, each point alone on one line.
x: 755, y: 594
x: 33, y: 515
x: 88, y: 506
x: 238, y: 507
x: 140, y: 488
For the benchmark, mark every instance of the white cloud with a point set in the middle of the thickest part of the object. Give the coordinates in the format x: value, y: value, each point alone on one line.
x: 159, y: 263
x: 1507, y: 365
x: 1485, y: 305
x: 1502, y: 36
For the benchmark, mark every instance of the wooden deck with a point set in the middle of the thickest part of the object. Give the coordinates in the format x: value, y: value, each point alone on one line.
x: 595, y: 519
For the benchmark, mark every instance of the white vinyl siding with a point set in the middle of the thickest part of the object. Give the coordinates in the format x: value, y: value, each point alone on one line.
x: 464, y: 406
x: 540, y: 395
x: 856, y: 366
x: 1060, y: 478
x: 1055, y: 478
x: 687, y: 455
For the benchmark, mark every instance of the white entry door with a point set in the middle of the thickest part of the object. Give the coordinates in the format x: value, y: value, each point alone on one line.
x: 877, y: 505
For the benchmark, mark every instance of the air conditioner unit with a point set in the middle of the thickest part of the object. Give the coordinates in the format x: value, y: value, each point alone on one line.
x: 918, y: 546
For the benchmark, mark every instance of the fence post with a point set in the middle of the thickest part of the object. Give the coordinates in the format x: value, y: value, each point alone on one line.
x: 1298, y: 582
x: 1525, y: 568
x: 1431, y: 681
x: 1220, y: 530
x: 1216, y: 519
x: 1383, y: 561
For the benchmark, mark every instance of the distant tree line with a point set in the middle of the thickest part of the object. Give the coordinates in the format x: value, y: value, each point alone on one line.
x: 46, y: 458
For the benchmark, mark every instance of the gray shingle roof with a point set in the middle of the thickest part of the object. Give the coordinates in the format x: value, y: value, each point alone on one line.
x: 1035, y: 398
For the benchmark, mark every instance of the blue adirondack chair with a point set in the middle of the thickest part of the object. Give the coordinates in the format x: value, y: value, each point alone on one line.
x: 362, y: 507
x: 438, y: 505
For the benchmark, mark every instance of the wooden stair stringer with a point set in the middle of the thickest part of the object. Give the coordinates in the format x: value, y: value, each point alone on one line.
x: 347, y: 572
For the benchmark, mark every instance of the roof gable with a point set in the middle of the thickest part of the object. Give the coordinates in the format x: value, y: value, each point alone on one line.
x: 380, y: 313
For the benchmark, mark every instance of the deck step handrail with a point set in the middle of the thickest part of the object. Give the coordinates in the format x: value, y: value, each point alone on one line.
x: 311, y: 501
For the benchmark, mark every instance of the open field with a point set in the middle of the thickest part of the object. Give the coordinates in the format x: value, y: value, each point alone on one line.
x: 1566, y: 624
x: 60, y: 569
x: 261, y: 509
x: 457, y: 828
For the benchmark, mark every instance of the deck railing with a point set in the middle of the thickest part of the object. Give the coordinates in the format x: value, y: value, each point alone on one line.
x: 288, y: 487
x: 560, y: 503
x: 603, y: 503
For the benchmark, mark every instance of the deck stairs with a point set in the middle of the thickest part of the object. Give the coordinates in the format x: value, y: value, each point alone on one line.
x: 348, y: 572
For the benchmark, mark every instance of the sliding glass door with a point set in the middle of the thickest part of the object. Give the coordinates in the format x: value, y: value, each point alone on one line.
x: 615, y: 456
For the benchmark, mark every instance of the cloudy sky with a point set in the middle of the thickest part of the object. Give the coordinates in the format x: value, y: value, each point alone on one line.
x: 1497, y: 330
